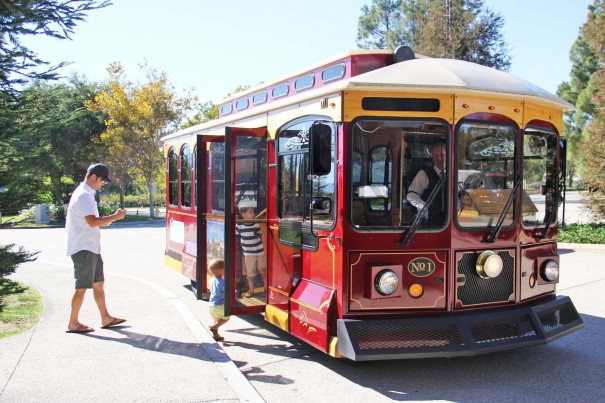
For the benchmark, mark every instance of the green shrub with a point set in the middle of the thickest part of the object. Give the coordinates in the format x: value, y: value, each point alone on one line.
x: 57, y: 212
x: 9, y: 260
x: 107, y: 208
x: 27, y: 214
x: 582, y: 233
x: 139, y: 200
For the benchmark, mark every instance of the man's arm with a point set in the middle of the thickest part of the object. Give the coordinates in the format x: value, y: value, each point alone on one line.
x: 105, y: 221
x: 417, y: 187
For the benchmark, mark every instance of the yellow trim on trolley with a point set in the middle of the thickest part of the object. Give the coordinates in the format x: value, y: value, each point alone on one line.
x: 173, y: 264
x: 277, y: 317
x: 176, y: 212
x: 333, y: 347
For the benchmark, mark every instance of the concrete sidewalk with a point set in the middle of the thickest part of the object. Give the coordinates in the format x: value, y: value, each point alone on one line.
x: 163, y: 354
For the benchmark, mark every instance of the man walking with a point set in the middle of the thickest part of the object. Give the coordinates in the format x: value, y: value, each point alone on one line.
x: 84, y: 247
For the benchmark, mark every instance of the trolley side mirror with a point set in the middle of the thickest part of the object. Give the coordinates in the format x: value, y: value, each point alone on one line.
x: 562, y: 170
x: 320, y: 148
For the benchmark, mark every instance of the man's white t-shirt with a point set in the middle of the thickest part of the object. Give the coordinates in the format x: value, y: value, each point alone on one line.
x: 417, y: 188
x: 80, y: 235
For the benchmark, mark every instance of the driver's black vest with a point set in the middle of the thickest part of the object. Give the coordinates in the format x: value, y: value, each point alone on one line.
x: 437, y: 208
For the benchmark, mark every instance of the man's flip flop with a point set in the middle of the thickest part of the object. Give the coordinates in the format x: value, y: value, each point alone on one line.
x: 81, y: 329
x: 114, y: 322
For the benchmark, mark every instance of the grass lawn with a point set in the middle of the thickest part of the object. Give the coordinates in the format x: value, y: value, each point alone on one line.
x: 20, y: 307
x: 21, y: 222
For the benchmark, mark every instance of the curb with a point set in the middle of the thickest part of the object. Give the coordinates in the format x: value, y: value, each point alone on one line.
x: 582, y: 246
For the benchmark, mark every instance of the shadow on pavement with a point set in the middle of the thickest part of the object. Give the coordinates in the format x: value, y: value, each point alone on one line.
x: 157, y: 344
x: 516, y: 375
x: 258, y: 374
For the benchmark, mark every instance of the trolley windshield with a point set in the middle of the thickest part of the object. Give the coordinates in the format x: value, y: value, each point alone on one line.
x: 395, y: 166
x: 485, y: 174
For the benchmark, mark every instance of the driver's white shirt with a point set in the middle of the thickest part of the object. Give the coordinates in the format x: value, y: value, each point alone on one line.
x: 80, y: 235
x: 417, y: 188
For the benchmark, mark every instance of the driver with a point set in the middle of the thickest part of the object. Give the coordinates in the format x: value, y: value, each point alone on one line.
x: 423, y: 184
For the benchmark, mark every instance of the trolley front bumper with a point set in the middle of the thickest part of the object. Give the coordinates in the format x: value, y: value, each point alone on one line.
x: 461, y: 334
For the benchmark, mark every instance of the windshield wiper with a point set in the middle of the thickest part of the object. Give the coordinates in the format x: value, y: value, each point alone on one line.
x: 546, y: 228
x: 513, y: 196
x: 422, y: 212
x: 551, y: 213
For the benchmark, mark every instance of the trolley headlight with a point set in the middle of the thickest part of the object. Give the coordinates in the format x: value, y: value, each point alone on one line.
x: 386, y: 282
x: 489, y: 265
x: 550, y: 270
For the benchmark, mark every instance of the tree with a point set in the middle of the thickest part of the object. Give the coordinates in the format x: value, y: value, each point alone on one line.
x: 61, y: 134
x: 21, y: 187
x: 593, y: 143
x: 379, y: 25
x: 138, y: 117
x: 206, y: 112
x: 209, y: 110
x: 18, y: 64
x: 19, y: 18
x: 457, y: 29
x: 9, y: 259
x: 578, y: 91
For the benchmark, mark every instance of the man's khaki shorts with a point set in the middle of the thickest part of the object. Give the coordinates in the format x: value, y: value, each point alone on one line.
x: 88, y: 268
x: 255, y: 265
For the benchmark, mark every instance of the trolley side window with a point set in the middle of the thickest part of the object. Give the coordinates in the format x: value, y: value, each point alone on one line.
x: 539, y: 177
x: 195, y: 192
x: 216, y: 177
x: 299, y: 191
x: 173, y: 179
x: 186, y: 175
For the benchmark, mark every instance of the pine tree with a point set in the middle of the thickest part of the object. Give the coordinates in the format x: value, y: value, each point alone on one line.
x: 578, y: 91
x: 593, y: 144
x: 19, y: 18
x: 457, y: 29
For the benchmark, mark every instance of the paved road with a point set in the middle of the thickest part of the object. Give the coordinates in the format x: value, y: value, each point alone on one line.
x: 165, y: 352
x: 574, y: 210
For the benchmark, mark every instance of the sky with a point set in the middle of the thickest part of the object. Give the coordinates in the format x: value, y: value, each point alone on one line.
x: 213, y: 46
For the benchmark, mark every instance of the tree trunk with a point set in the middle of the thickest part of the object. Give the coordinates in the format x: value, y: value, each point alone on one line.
x: 151, y: 201
x: 121, y: 197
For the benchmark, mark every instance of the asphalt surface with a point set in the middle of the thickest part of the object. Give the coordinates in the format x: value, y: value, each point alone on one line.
x: 164, y: 352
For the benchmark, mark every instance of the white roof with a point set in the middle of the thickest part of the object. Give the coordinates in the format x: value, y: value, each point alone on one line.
x: 456, y: 75
x: 422, y: 74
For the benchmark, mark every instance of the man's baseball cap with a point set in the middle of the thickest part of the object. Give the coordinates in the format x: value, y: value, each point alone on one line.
x: 100, y: 170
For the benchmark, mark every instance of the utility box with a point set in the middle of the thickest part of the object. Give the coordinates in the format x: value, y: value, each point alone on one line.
x: 42, y: 214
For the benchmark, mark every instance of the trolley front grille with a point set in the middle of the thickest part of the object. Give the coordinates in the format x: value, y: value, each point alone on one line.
x: 467, y: 333
x: 553, y: 319
x: 476, y: 290
x: 407, y: 336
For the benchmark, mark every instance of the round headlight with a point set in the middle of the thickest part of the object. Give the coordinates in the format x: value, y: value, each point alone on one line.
x: 489, y: 265
x: 386, y: 282
x: 550, y: 270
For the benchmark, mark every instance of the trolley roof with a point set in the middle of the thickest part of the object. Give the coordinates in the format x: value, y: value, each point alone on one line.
x: 422, y: 74
x: 450, y: 74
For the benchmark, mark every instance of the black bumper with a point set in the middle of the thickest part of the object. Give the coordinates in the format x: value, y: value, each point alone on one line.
x: 460, y: 334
